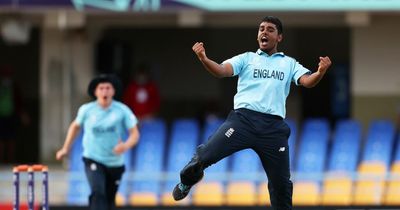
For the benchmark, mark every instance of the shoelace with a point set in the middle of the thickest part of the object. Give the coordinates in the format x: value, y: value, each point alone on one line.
x: 183, y: 187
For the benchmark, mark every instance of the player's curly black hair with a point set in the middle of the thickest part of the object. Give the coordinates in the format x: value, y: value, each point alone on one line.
x: 275, y: 21
x: 102, y: 78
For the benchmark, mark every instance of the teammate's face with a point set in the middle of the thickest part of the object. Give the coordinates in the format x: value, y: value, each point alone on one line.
x: 104, y: 92
x: 268, y: 37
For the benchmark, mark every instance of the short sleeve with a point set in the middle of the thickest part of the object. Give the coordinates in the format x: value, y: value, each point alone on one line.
x: 130, y: 120
x: 237, y: 63
x: 298, y: 71
x: 81, y: 114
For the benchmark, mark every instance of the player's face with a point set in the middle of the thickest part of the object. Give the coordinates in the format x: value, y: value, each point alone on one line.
x: 268, y: 37
x: 104, y: 92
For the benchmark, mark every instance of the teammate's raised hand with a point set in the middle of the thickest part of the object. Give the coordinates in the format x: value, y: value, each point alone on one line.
x: 199, y: 49
x: 61, y: 153
x: 324, y: 63
x: 119, y: 148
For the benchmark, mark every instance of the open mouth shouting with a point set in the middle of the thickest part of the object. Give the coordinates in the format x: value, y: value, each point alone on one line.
x: 263, y: 40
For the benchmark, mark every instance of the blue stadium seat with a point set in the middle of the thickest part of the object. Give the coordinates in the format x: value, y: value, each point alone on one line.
x: 182, y: 146
x: 241, y: 188
x: 397, y: 152
x: 78, y: 187
x: 210, y: 127
x: 313, y: 146
x: 379, y: 142
x: 346, y: 146
x: 124, y: 188
x: 245, y: 165
x: 75, y: 157
x: 218, y: 170
x: 148, y: 160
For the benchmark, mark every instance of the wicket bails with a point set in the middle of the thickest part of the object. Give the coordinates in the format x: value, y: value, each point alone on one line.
x: 31, y: 169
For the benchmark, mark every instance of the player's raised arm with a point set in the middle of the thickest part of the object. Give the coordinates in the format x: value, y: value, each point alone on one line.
x: 313, y: 79
x: 73, y: 131
x: 132, y: 140
x: 218, y: 70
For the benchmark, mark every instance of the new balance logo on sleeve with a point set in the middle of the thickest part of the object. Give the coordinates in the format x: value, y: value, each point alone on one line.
x: 229, y: 132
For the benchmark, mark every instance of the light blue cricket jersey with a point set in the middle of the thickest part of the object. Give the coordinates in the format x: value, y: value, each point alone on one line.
x: 102, y: 130
x: 264, y: 80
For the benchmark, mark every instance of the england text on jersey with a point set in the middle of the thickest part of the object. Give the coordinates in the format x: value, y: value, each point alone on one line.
x: 266, y: 73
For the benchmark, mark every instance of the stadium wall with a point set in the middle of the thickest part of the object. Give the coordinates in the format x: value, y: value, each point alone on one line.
x: 375, y: 69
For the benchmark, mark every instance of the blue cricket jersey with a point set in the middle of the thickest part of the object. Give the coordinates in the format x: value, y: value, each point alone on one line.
x: 103, y: 128
x: 264, y: 80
